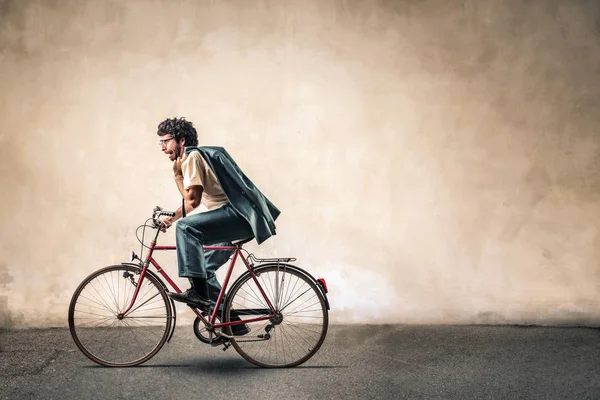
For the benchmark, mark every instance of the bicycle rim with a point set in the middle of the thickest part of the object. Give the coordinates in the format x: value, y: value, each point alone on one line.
x: 119, y: 342
x: 297, y: 329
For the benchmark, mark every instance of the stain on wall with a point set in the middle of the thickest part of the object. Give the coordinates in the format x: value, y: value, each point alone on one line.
x: 435, y: 161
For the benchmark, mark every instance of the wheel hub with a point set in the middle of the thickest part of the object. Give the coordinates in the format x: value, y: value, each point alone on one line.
x: 277, y: 319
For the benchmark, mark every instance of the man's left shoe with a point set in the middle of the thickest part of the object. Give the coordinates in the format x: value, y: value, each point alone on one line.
x: 191, y: 298
x: 238, y: 330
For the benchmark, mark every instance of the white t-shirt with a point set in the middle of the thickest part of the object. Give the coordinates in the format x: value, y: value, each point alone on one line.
x: 196, y: 171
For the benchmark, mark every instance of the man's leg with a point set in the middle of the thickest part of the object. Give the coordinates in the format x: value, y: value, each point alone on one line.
x: 214, y: 260
x: 191, y: 234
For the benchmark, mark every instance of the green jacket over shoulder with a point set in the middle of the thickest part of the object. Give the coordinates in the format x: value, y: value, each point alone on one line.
x: 242, y: 194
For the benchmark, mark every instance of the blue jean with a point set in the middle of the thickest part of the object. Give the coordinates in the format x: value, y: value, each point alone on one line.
x: 217, y: 227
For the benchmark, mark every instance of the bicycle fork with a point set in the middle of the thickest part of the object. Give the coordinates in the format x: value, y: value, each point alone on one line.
x: 142, y: 271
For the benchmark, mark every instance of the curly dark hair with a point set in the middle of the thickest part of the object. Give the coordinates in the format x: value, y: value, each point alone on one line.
x: 179, y: 128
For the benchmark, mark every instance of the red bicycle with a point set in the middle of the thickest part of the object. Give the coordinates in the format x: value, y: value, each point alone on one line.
x: 121, y: 316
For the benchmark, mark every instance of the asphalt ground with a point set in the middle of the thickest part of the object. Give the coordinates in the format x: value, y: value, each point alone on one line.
x: 355, y: 362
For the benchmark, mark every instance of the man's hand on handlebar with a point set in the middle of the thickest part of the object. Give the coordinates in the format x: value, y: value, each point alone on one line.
x: 166, y: 223
x: 163, y: 219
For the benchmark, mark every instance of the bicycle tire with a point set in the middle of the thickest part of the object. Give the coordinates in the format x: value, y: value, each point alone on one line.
x: 102, y: 335
x: 301, y: 316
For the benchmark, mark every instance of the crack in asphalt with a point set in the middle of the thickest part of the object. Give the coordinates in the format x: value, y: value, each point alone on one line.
x: 23, y: 369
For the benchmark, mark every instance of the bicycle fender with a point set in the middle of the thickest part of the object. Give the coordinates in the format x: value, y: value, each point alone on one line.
x: 129, y: 264
x: 299, y: 270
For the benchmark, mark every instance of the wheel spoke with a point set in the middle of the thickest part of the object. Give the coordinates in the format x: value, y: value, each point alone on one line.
x: 297, y: 329
x: 108, y: 339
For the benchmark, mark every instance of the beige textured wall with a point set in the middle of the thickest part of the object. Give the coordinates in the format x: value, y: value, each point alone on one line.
x: 436, y: 161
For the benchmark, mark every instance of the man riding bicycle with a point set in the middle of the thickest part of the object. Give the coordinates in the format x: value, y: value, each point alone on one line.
x: 236, y: 210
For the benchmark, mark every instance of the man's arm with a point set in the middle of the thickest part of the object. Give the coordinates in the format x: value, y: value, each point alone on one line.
x: 178, y: 213
x: 171, y: 220
x: 192, y: 195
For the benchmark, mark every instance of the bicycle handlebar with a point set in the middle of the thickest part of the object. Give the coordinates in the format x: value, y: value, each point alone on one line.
x: 157, y: 213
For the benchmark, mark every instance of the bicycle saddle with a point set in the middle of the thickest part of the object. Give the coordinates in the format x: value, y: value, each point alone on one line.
x: 242, y: 241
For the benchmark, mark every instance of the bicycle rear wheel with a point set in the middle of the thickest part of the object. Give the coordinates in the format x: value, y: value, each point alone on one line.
x: 295, y: 330
x: 109, y: 338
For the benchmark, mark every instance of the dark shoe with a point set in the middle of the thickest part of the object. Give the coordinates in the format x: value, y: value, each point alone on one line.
x: 238, y: 330
x: 191, y: 298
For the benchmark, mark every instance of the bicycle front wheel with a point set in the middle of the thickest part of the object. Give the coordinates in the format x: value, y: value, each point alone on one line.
x: 297, y: 327
x: 103, y: 333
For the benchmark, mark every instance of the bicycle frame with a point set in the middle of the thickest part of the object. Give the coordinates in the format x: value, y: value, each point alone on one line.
x: 211, y: 322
